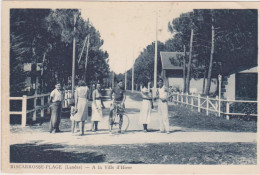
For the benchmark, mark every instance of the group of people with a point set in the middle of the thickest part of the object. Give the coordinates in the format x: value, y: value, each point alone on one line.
x: 147, y: 106
x: 79, y: 112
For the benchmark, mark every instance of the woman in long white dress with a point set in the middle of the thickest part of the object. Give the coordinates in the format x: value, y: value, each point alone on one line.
x: 81, y: 105
x: 97, y: 106
x: 145, y: 114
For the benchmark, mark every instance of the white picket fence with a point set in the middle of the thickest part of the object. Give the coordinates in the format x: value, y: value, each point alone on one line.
x: 43, y: 105
x: 216, y: 105
x: 35, y: 108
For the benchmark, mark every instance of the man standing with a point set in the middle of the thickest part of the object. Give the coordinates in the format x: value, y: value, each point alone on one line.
x: 56, y: 98
x: 162, y: 94
x: 119, y: 100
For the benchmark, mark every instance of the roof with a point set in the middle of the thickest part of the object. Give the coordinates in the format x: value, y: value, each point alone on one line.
x: 171, y: 60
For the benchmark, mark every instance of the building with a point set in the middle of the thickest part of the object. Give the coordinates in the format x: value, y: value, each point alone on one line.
x: 32, y: 81
x: 172, y: 70
x: 241, y: 85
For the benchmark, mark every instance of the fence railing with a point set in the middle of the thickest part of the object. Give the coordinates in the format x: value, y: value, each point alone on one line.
x: 32, y: 106
x: 216, y: 105
x: 24, y: 109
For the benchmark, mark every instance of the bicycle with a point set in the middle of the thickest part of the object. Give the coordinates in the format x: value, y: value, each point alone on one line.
x: 117, y: 120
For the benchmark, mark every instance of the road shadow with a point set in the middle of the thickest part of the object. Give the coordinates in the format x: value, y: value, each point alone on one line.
x: 51, y: 153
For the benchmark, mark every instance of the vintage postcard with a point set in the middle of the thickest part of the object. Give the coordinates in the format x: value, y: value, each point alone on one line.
x: 127, y: 87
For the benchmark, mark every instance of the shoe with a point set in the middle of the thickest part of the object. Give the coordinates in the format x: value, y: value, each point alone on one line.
x: 168, y: 132
x: 58, y: 131
x: 53, y: 131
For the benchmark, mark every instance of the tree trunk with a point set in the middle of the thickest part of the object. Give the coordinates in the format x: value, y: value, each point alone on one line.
x: 184, y: 70
x: 211, y: 61
x: 204, y: 78
x: 42, y: 80
x: 189, y: 64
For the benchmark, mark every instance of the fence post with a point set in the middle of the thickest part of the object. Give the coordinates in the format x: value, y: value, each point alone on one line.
x: 216, y: 104
x: 177, y: 97
x: 207, y: 103
x: 187, y: 99
x: 198, y: 102
x: 34, y: 106
x: 227, y: 110
x: 219, y: 94
x: 42, y: 104
x: 192, y: 103
x: 181, y: 97
x: 24, y: 110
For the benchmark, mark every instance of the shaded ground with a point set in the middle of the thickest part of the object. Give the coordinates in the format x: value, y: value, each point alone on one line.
x: 162, y: 153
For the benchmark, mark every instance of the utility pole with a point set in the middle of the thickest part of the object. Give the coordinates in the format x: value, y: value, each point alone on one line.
x: 155, y: 56
x: 82, y: 49
x: 133, y: 73
x: 184, y: 70
x: 113, y: 77
x: 125, y: 75
x: 189, y: 64
x: 73, y: 58
x: 86, y: 61
x: 211, y: 57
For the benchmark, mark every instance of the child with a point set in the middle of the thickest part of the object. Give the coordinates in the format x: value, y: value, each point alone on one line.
x: 73, y: 111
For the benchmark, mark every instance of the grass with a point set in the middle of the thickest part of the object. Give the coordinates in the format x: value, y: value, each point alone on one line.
x: 183, y: 116
x: 163, y: 153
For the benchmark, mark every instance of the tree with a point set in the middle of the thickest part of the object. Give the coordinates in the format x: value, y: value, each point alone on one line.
x: 182, y: 29
x: 144, y: 64
x: 61, y: 24
x: 235, y: 41
x: 28, y: 43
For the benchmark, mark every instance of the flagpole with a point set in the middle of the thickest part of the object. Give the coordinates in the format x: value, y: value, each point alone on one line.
x: 73, y: 58
x: 155, y: 56
x: 125, y: 75
x: 133, y: 70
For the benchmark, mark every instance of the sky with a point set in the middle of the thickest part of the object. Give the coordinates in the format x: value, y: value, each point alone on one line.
x: 127, y: 28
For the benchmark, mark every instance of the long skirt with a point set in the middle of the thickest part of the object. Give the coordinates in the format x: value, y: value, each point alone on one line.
x: 163, y: 114
x: 97, y: 114
x: 55, y: 116
x: 145, y: 114
x: 82, y: 110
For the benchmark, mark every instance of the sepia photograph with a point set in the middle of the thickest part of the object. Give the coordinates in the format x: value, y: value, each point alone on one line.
x: 114, y: 87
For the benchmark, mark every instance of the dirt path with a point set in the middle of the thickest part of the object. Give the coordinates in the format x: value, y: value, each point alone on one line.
x: 134, y: 135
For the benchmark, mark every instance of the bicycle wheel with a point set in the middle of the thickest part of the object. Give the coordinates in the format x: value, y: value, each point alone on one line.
x: 126, y: 122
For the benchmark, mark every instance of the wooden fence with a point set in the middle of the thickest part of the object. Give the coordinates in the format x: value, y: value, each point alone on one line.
x: 43, y: 105
x: 216, y: 105
x: 34, y: 107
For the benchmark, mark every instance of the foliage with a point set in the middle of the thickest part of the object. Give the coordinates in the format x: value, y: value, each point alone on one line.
x: 28, y: 42
x: 144, y: 64
x: 235, y: 39
x: 46, y: 36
